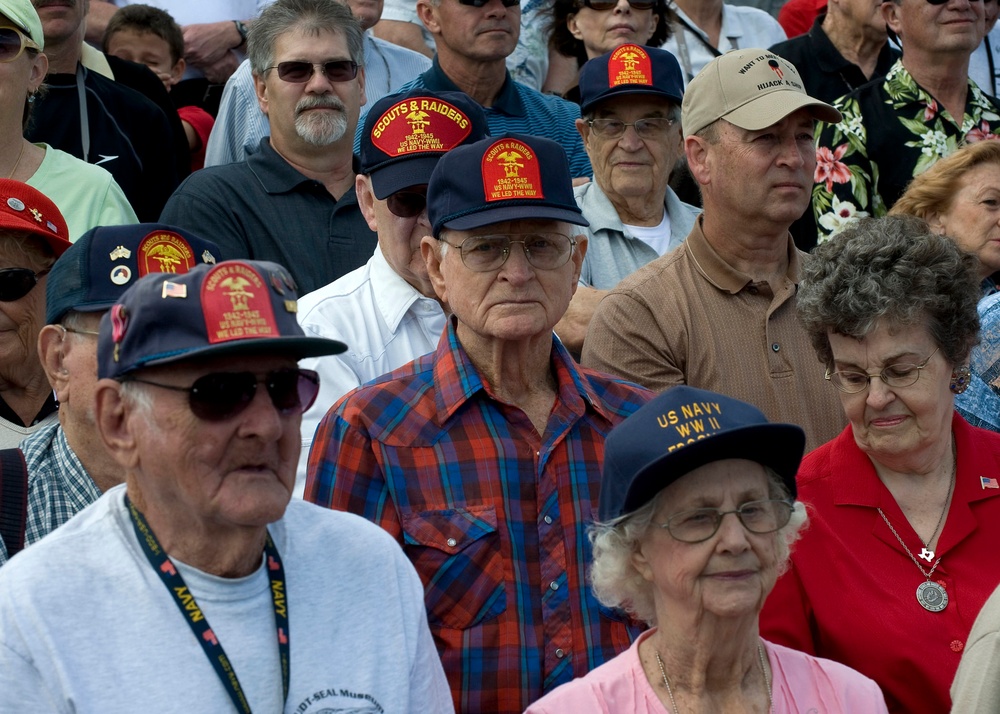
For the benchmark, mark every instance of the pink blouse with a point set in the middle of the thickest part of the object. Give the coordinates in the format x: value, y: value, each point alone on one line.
x: 801, y: 683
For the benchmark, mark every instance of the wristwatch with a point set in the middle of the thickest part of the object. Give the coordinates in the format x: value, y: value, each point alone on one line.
x: 242, y: 29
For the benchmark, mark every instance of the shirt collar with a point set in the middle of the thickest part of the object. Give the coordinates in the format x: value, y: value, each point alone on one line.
x: 722, y: 275
x: 507, y: 102
x: 456, y: 379
x: 277, y: 176
x: 393, y: 296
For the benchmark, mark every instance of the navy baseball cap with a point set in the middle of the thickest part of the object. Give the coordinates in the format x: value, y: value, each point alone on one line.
x: 94, y: 272
x: 235, y: 307
x: 511, y: 177
x: 629, y: 70
x: 685, y: 428
x: 405, y: 134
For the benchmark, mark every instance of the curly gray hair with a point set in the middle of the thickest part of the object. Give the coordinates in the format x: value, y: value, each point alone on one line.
x: 615, y: 581
x: 894, y: 271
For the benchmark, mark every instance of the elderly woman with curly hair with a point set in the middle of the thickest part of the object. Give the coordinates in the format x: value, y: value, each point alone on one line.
x: 666, y: 553
x: 905, y: 503
x: 581, y: 30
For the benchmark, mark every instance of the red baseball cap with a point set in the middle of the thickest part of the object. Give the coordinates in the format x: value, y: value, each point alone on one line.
x: 23, y: 208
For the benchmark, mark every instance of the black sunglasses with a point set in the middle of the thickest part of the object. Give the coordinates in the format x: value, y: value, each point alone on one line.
x: 481, y: 3
x: 605, y: 5
x: 301, y: 72
x: 15, y: 283
x: 406, y: 204
x: 223, y: 395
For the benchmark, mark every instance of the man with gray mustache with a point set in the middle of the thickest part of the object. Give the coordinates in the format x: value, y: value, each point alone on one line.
x: 292, y: 201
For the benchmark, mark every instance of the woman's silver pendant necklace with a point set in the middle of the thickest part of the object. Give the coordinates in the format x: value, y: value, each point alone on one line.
x: 931, y: 596
x: 763, y: 670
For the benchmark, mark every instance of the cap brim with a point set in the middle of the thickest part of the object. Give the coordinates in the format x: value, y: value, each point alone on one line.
x: 630, y: 90
x: 510, y: 212
x: 404, y: 173
x: 297, y: 347
x: 779, y: 446
x: 772, y: 107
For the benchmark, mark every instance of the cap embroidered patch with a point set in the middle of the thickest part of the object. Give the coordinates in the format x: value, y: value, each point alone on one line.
x: 164, y: 252
x: 629, y: 64
x: 780, y: 76
x: 237, y: 304
x: 420, y: 124
x: 511, y: 171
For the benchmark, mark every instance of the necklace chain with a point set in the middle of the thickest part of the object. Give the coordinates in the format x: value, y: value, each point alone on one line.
x: 670, y: 692
x: 947, y: 502
x: 926, y: 574
x: 18, y: 162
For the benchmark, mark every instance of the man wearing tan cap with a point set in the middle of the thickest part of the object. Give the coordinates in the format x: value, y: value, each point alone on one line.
x: 718, y: 312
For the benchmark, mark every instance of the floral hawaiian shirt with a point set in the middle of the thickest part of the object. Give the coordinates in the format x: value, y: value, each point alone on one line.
x: 892, y: 130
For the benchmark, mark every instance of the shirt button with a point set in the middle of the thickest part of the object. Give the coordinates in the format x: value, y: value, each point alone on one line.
x: 553, y: 585
x: 548, y: 520
x: 452, y: 542
x: 957, y: 645
x: 776, y: 347
x: 752, y: 290
x: 560, y: 654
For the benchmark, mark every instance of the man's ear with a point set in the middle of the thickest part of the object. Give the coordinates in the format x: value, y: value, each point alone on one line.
x: 366, y: 200
x: 52, y: 346
x: 113, y: 422
x: 696, y: 151
x: 428, y: 16
x: 260, y: 87
x: 430, y: 249
x: 890, y: 13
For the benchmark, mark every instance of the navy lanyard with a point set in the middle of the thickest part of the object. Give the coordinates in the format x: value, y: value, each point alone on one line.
x: 186, y: 603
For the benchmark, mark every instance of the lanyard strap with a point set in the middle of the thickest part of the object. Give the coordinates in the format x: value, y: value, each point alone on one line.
x: 186, y: 603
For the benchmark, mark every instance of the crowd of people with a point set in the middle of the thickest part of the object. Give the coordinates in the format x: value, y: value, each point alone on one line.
x: 411, y: 356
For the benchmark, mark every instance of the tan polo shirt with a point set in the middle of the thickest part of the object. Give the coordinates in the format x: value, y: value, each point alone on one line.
x: 691, y: 318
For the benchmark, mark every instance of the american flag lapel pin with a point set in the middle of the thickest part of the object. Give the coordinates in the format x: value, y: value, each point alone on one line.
x: 987, y: 482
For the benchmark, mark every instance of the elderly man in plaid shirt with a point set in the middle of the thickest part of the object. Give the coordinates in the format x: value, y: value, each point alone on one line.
x: 483, y: 458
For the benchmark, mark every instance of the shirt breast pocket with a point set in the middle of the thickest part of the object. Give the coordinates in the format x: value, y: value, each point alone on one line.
x: 457, y: 553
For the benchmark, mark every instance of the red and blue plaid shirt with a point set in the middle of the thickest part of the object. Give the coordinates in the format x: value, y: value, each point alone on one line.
x: 492, y: 515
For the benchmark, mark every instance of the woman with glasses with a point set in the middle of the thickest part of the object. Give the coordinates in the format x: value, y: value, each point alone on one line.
x: 86, y: 195
x: 905, y: 503
x: 581, y: 30
x: 667, y: 552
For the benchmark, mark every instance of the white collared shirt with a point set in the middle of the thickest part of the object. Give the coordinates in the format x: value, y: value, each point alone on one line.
x: 385, y: 323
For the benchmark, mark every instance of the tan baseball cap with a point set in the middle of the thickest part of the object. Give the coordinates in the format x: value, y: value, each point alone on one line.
x: 751, y: 88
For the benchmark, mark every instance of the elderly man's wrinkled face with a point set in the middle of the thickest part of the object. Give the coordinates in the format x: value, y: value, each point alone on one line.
x: 515, y: 301
x: 22, y: 319
x: 730, y: 574
x: 238, y: 472
x: 318, y: 112
x: 634, y: 163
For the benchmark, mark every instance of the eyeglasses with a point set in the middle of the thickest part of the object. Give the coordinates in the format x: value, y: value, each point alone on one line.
x: 481, y: 3
x: 407, y: 204
x: 941, y: 2
x: 651, y: 128
x: 13, y: 42
x: 15, y: 283
x: 545, y: 251
x: 604, y: 5
x: 224, y: 395
x: 301, y: 72
x: 700, y: 524
x: 75, y: 331
x: 894, y: 375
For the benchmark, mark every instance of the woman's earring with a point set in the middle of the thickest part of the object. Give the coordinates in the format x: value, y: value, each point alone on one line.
x: 960, y: 379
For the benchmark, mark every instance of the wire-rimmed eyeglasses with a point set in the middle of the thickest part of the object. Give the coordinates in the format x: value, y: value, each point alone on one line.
x: 545, y: 251
x: 897, y: 376
x: 700, y: 524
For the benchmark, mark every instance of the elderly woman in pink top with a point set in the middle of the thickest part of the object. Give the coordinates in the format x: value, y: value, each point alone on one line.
x: 666, y: 553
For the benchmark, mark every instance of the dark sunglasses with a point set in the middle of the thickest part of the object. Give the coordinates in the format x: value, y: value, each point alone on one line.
x: 13, y: 42
x: 481, y: 3
x: 15, y: 283
x: 605, y: 5
x: 406, y: 204
x: 301, y: 72
x: 223, y: 395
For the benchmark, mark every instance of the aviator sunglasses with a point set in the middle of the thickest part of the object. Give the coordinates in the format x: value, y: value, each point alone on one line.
x: 223, y: 395
x: 301, y: 72
x: 15, y: 283
x: 604, y: 5
x: 407, y: 204
x: 13, y: 42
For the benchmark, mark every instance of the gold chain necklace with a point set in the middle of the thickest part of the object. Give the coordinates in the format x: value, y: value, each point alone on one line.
x: 763, y: 670
x: 18, y: 162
